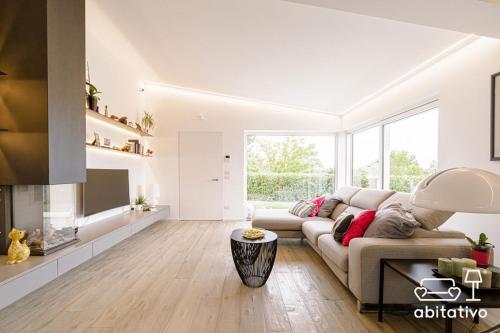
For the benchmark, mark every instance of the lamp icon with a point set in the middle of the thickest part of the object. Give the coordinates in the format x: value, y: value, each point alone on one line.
x: 473, y: 276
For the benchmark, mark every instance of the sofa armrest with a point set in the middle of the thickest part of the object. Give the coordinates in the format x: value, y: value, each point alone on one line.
x: 364, y: 264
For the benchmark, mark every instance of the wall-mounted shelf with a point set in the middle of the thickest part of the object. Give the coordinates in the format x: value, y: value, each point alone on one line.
x: 111, y: 150
x: 116, y: 123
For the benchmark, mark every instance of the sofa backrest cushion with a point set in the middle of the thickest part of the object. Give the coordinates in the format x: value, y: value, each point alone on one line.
x: 339, y: 209
x: 429, y: 218
x: 346, y: 193
x: 369, y: 199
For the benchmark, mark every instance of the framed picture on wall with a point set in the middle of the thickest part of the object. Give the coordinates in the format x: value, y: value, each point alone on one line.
x: 495, y: 117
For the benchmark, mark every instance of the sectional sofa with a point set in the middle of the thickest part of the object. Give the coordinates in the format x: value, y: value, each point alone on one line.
x: 357, y: 266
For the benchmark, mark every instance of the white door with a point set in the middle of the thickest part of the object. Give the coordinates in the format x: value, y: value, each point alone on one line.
x: 200, y: 175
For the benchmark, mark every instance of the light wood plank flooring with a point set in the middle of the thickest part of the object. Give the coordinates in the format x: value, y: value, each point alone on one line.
x: 179, y: 277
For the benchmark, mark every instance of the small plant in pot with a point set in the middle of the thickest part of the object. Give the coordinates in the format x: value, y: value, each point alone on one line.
x: 148, y: 122
x: 481, y: 250
x: 140, y: 201
x: 92, y: 97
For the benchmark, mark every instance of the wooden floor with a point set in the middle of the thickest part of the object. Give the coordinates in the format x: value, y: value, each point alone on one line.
x: 179, y: 277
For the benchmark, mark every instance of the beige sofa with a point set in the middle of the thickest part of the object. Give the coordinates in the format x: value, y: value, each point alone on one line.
x: 357, y: 266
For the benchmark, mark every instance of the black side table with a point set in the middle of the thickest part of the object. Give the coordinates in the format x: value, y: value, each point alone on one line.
x: 254, y: 259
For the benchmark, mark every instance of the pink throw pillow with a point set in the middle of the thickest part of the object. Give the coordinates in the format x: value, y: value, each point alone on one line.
x: 318, y: 202
x: 359, y: 225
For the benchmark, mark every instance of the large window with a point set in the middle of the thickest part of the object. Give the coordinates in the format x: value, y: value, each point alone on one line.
x: 411, y: 146
x: 282, y: 169
x: 366, y: 158
x: 409, y: 152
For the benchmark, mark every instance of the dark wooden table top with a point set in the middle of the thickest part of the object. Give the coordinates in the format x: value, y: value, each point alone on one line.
x: 415, y: 270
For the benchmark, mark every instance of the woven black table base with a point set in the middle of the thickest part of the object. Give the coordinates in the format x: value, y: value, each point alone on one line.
x: 254, y: 260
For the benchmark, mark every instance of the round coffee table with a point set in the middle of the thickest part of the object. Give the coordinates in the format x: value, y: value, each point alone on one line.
x: 254, y: 259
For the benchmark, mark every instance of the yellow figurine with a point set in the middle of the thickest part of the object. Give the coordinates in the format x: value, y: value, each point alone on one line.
x: 17, y: 252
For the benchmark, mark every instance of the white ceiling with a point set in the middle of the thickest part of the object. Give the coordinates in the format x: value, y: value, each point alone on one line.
x: 480, y: 17
x: 276, y: 51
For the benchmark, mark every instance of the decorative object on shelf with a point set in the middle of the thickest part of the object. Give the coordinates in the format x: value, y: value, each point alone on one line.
x: 140, y: 202
x: 459, y: 263
x: 153, y: 194
x: 18, y: 252
x: 107, y: 142
x: 106, y: 111
x: 481, y: 250
x: 253, y: 234
x: 91, y: 93
x: 148, y: 122
x: 138, y: 126
x: 97, y: 140
x: 113, y: 120
x: 149, y: 152
x: 92, y: 97
x: 495, y: 118
x: 123, y: 120
x: 127, y: 147
x: 445, y: 266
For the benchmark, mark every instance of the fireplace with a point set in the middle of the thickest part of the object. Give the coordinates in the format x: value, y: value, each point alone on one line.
x: 48, y: 213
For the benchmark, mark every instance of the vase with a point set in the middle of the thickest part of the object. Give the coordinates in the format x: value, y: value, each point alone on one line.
x: 481, y: 257
x: 139, y: 208
x: 92, y: 102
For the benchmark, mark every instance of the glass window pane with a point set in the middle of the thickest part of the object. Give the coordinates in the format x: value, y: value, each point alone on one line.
x: 282, y: 169
x: 365, y: 158
x: 412, y: 150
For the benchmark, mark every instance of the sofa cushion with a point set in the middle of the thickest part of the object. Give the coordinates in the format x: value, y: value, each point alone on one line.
x: 369, y: 199
x: 358, y: 226
x: 346, y: 193
x: 276, y: 220
x: 392, y: 221
x: 339, y: 209
x: 341, y: 225
x: 334, y: 251
x: 429, y: 218
x: 313, y: 229
x: 326, y: 209
x: 302, y: 208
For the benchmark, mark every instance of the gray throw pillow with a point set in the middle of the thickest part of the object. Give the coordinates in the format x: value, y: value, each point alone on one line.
x: 326, y: 209
x: 341, y: 225
x: 393, y: 221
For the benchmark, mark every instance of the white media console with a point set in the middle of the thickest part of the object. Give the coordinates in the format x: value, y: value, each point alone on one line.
x: 16, y: 281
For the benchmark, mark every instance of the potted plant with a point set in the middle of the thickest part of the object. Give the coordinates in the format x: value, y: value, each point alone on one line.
x: 148, y: 122
x: 140, y: 201
x: 92, y: 97
x: 481, y: 250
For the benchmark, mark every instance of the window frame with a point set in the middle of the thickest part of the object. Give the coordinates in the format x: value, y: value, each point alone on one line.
x: 384, y: 140
x: 247, y: 133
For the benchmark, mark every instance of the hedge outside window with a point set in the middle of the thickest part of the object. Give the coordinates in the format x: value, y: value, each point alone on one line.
x: 282, y: 169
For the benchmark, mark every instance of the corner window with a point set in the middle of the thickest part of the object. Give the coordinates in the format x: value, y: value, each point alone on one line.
x: 411, y: 150
x: 409, y: 154
x: 366, y: 158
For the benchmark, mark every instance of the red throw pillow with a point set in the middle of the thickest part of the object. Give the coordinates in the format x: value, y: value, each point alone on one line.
x: 358, y: 226
x: 318, y: 202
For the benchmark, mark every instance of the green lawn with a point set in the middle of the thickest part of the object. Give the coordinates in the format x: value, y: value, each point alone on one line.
x: 271, y: 204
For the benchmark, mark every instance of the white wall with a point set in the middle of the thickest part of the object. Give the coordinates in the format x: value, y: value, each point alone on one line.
x: 462, y: 84
x: 118, y: 70
x: 179, y: 110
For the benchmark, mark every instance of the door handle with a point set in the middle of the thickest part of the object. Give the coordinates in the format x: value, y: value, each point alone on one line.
x: 215, y: 179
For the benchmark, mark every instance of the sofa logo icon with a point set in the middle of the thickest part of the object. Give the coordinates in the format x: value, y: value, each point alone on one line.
x: 425, y: 295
